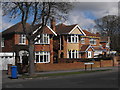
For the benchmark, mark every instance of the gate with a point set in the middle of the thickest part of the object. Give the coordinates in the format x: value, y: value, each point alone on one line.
x: 5, y: 59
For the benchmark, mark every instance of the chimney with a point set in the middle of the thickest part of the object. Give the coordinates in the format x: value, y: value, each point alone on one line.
x: 53, y: 23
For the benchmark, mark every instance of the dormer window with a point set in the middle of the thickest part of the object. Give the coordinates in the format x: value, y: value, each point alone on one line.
x: 22, y: 39
x: 72, y: 39
x: 44, y: 39
x: 93, y: 41
x: 2, y: 43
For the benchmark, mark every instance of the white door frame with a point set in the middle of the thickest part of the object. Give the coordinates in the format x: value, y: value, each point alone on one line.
x: 21, y: 53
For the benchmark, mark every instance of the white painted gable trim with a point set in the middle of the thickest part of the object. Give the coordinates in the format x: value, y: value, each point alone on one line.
x: 52, y: 31
x: 48, y: 27
x: 89, y: 47
x: 79, y: 29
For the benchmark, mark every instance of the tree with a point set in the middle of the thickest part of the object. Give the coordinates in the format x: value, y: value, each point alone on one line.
x: 108, y: 26
x: 41, y: 13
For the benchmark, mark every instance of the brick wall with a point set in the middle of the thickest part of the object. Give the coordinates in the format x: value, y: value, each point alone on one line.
x: 9, y: 43
x: 69, y: 66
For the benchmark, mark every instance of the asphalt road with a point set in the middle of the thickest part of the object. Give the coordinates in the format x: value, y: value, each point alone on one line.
x: 106, y: 79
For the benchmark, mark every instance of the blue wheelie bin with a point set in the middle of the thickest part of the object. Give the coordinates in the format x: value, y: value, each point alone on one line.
x: 14, y: 72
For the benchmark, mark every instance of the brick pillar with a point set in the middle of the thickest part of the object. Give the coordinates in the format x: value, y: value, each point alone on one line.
x: 51, y: 50
x: 65, y: 46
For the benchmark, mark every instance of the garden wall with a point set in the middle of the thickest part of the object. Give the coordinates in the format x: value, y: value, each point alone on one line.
x: 69, y: 66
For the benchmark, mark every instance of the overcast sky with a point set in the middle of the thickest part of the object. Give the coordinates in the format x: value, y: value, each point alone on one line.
x: 83, y: 14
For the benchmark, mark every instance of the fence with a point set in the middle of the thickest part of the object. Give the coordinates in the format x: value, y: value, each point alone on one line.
x: 5, y: 59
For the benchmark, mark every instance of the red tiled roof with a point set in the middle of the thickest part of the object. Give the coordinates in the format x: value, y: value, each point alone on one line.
x: 97, y: 48
x: 104, y: 39
x: 88, y: 33
x: 84, y: 47
x: 64, y: 29
x: 15, y: 28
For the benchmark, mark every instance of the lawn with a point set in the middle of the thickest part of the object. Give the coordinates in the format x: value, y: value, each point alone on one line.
x: 61, y: 74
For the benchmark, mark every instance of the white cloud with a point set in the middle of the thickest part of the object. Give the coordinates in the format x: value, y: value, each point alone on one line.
x: 98, y: 10
x: 77, y: 17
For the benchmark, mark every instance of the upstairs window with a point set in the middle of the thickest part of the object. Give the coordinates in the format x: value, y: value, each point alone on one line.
x: 72, y: 39
x: 2, y: 43
x: 44, y: 39
x: 22, y: 39
x: 93, y: 41
x: 82, y: 40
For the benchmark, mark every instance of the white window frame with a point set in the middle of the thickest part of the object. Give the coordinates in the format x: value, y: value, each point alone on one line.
x: 22, y: 39
x: 73, y: 38
x: 2, y: 43
x: 43, y: 53
x: 89, y: 54
x: 82, y: 40
x: 92, y: 40
x: 42, y: 39
x: 76, y: 53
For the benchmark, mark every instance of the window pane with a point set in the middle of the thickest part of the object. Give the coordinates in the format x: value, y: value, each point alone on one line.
x: 45, y: 58
x: 76, y: 54
x: 76, y: 39
x: 2, y: 43
x: 73, y: 40
x: 73, y: 54
x: 37, y: 58
x: 41, y: 39
x: 41, y: 58
x: 69, y: 39
x: 69, y: 53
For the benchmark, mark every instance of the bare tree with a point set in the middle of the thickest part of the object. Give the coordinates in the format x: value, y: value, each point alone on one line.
x: 108, y: 26
x: 41, y: 13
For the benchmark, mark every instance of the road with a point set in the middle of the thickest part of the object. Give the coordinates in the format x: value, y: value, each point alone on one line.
x: 105, y: 79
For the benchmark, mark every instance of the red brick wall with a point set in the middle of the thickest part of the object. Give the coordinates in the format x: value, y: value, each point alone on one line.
x: 69, y: 66
x: 65, y: 46
x: 16, y: 39
x: 48, y: 47
x: 9, y: 43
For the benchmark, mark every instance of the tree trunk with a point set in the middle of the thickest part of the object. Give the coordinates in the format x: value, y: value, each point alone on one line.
x: 31, y: 58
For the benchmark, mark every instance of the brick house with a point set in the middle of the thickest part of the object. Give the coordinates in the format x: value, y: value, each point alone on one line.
x: 74, y: 42
x: 59, y: 41
x: 14, y: 40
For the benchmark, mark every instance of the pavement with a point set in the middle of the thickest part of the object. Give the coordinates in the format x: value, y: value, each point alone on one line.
x: 6, y: 78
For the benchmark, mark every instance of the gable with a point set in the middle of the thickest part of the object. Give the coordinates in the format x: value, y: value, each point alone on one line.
x: 46, y: 30
x: 89, y: 48
x: 76, y: 31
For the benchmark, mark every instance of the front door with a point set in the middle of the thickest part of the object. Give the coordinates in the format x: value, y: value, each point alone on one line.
x: 89, y: 54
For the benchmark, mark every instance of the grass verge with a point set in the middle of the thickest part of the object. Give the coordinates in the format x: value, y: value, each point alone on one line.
x: 61, y: 74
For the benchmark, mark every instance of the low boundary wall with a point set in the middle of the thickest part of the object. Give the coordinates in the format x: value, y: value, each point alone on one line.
x: 70, y: 66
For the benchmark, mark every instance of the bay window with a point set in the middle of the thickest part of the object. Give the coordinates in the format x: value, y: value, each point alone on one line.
x: 73, y: 54
x: 72, y: 38
x: 42, y: 57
